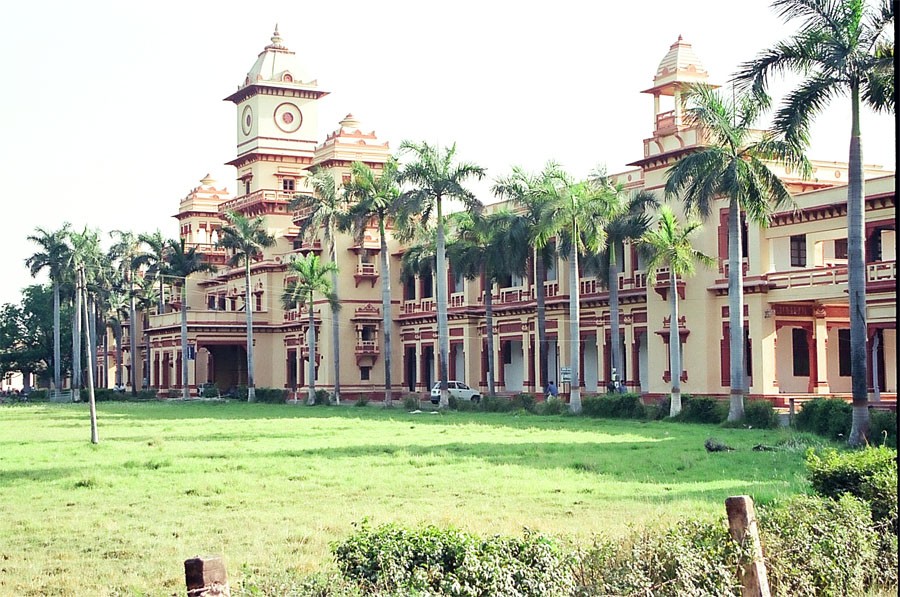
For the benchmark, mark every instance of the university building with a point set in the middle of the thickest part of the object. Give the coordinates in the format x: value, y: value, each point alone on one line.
x: 795, y: 276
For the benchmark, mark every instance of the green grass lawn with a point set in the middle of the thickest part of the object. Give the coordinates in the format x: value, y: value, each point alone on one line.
x: 270, y: 486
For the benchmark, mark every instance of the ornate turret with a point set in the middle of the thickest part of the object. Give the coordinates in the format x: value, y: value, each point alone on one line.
x: 680, y: 67
x: 349, y: 144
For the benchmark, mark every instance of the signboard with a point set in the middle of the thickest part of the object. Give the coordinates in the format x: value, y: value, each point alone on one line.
x: 565, y: 375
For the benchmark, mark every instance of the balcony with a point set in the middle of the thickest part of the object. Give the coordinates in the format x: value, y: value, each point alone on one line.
x: 260, y: 196
x: 206, y: 317
x: 829, y: 282
x: 365, y: 271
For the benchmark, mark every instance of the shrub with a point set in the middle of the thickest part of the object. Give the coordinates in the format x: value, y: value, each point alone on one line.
x: 435, y: 561
x: 817, y: 546
x: 552, y: 406
x: 614, y: 406
x: 411, y: 402
x: 362, y: 401
x: 271, y: 395
x: 869, y: 474
x: 323, y: 398
x: 211, y: 391
x: 702, y: 409
x: 146, y: 395
x: 882, y: 428
x: 689, y: 558
x: 760, y: 414
x: 495, y: 404
x: 452, y: 402
x: 523, y: 401
x: 36, y: 394
x: 830, y: 417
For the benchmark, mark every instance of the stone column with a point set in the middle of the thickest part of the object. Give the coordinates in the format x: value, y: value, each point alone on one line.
x: 821, y: 349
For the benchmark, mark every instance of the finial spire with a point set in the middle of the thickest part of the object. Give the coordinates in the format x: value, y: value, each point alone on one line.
x: 276, y: 37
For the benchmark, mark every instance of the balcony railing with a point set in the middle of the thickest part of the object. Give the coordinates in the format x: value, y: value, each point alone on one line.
x: 256, y: 197
x: 819, y: 276
x: 207, y: 317
x: 366, y: 347
x: 881, y: 271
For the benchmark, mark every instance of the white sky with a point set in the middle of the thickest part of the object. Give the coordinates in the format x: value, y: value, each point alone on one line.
x: 114, y: 109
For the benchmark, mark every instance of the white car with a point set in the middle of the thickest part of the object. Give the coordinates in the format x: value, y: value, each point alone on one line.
x: 457, y: 389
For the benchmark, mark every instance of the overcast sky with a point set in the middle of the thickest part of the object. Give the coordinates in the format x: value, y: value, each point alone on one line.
x: 114, y: 110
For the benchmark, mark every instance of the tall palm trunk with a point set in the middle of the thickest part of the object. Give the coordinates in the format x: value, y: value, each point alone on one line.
x: 489, y: 321
x: 574, y: 333
x: 735, y: 312
x: 248, y: 307
x: 335, y: 332
x: 92, y: 330
x: 95, y: 437
x: 119, y: 364
x: 57, y: 348
x: 132, y: 340
x: 386, y: 313
x: 540, y: 297
x: 311, y: 341
x: 617, y: 360
x: 856, y: 270
x: 443, y: 334
x: 185, y: 391
x: 76, y: 349
x: 674, y: 345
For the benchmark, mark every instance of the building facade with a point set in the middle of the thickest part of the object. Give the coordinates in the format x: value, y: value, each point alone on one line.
x: 795, y: 276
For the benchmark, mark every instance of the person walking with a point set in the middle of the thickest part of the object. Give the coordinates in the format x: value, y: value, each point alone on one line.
x: 552, y: 390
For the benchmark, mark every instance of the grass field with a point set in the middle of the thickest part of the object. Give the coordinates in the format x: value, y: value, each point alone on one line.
x: 270, y: 486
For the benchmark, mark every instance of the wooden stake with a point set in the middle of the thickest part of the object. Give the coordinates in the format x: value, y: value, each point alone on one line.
x: 205, y: 577
x: 743, y: 527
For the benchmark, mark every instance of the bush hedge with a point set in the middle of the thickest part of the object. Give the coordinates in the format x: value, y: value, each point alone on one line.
x: 702, y: 409
x: 271, y: 395
x: 830, y: 417
x: 760, y: 414
x: 614, y: 406
x: 434, y: 561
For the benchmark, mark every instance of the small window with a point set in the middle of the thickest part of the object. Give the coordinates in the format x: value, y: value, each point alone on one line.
x: 246, y: 187
x: 844, y: 353
x: 287, y: 184
x: 801, y: 352
x: 364, y: 373
x: 211, y: 302
x: 258, y: 306
x: 798, y: 250
x: 840, y: 248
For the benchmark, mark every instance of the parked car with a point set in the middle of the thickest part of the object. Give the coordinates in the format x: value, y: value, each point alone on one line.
x: 458, y: 390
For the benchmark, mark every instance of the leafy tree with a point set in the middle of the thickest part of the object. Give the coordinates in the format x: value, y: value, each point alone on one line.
x: 578, y: 219
x: 246, y: 238
x: 376, y: 196
x: 732, y: 165
x: 434, y: 175
x: 311, y: 277
x: 626, y: 218
x: 324, y: 211
x: 533, y: 207
x: 842, y: 47
x: 668, y: 247
x: 52, y: 255
x: 178, y: 265
x: 487, y: 246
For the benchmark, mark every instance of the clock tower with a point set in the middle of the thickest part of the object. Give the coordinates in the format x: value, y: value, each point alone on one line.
x: 276, y: 131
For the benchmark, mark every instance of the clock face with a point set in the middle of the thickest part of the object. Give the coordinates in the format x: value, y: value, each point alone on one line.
x: 288, y: 117
x: 247, y: 120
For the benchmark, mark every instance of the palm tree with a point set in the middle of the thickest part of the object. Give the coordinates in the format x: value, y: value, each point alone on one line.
x: 246, y: 238
x: 117, y: 309
x: 127, y: 251
x: 533, y: 206
x: 85, y: 259
x: 577, y: 218
x: 154, y: 260
x: 669, y: 247
x: 178, y: 265
x: 52, y: 256
x: 435, y: 176
x: 732, y: 165
x: 312, y: 276
x: 376, y: 196
x: 323, y: 212
x: 843, y: 46
x: 487, y: 246
x: 147, y: 298
x: 626, y: 220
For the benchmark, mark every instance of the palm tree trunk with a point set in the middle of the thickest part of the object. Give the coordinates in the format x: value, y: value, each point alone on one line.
x: 386, y: 313
x: 119, y: 365
x: 335, y: 332
x: 76, y: 349
x: 57, y: 349
x: 95, y: 437
x: 443, y: 334
x: 248, y: 307
x: 856, y: 283
x: 617, y: 359
x: 185, y: 391
x: 311, y: 341
x: 574, y: 317
x: 735, y: 311
x: 489, y: 321
x: 674, y: 346
x: 540, y: 297
x: 132, y: 340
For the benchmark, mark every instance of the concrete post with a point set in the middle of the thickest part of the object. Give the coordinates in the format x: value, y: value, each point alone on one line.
x: 205, y: 577
x: 743, y: 527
